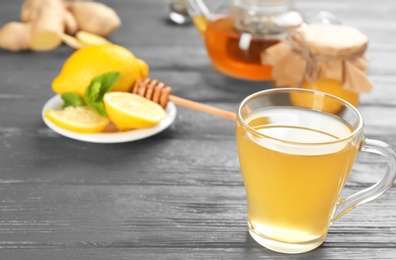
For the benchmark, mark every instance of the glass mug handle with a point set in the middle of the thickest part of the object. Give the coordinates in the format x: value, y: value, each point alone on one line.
x: 371, y: 193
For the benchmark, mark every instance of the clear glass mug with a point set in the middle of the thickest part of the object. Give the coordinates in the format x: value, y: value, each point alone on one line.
x: 295, y: 159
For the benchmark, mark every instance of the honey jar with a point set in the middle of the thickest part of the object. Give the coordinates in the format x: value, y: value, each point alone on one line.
x: 328, y: 58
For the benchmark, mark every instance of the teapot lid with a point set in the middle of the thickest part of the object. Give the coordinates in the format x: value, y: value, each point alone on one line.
x: 264, y: 6
x: 264, y: 18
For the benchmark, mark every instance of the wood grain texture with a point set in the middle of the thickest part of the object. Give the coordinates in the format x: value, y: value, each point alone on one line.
x: 179, y: 194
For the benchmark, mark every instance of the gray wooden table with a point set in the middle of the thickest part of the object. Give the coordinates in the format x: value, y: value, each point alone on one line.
x: 179, y: 194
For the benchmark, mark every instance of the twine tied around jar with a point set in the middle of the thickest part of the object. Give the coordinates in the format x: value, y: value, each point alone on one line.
x: 320, y: 52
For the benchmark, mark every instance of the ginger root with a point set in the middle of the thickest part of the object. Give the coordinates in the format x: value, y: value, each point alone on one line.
x: 83, y: 39
x: 72, y: 42
x: 48, y: 26
x: 71, y: 25
x: 15, y: 36
x: 30, y: 9
x: 94, y: 17
x: 47, y: 23
x: 88, y: 39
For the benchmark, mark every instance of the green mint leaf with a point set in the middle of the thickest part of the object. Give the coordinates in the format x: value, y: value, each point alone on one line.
x: 99, y: 86
x: 72, y: 99
x: 92, y: 94
x: 99, y: 108
x: 107, y: 80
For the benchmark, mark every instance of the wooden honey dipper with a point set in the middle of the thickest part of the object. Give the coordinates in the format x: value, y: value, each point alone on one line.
x: 159, y: 93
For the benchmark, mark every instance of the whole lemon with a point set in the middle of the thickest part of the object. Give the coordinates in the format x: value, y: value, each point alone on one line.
x: 87, y: 63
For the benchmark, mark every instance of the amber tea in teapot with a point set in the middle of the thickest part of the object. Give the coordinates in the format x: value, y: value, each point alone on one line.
x: 222, y: 44
x: 235, y: 40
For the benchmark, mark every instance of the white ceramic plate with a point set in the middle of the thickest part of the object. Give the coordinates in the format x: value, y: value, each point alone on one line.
x: 56, y: 103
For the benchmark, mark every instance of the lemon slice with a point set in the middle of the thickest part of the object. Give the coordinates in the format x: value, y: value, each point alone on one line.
x: 78, y: 119
x: 128, y: 111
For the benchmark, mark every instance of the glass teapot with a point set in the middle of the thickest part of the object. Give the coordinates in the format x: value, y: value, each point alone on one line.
x: 236, y: 38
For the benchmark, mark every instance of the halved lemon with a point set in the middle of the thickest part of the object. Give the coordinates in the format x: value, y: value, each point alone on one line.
x: 128, y: 111
x: 78, y: 119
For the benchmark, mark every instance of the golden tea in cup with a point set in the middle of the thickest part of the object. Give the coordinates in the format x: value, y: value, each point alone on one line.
x: 295, y: 161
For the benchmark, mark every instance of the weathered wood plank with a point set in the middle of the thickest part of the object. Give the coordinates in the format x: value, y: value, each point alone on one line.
x: 136, y: 219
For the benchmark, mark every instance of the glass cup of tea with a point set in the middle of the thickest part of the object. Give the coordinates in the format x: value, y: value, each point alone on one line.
x: 295, y: 156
